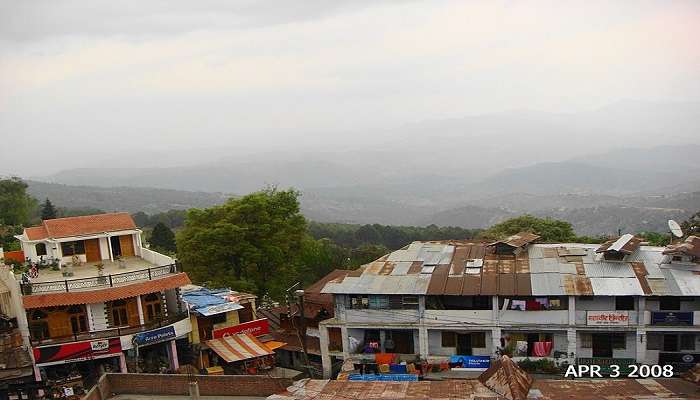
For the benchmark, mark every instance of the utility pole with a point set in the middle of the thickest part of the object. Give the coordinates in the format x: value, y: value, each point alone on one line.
x: 301, y: 328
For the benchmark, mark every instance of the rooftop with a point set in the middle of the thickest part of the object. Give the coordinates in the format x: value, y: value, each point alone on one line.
x: 473, y: 268
x: 80, y: 226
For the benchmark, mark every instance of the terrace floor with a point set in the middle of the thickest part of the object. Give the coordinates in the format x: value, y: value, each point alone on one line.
x: 88, y: 270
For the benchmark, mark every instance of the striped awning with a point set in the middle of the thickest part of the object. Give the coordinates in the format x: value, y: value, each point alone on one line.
x: 238, y: 347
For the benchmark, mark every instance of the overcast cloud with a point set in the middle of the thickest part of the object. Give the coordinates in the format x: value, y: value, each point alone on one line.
x: 83, y: 80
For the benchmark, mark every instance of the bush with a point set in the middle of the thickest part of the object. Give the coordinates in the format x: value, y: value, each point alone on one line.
x: 542, y: 366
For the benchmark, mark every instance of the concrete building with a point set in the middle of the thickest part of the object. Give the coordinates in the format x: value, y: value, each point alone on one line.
x: 94, y: 299
x: 619, y: 302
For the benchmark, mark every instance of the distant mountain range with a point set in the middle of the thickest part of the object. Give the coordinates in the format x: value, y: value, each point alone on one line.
x: 602, y: 170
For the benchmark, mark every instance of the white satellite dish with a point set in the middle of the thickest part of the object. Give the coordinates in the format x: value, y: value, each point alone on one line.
x: 675, y: 228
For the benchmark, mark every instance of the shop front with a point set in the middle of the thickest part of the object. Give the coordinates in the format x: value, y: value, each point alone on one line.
x: 72, y: 368
x: 679, y: 349
x: 241, y: 354
x: 155, y: 351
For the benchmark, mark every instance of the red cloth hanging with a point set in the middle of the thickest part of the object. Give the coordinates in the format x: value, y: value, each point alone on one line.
x: 541, y: 349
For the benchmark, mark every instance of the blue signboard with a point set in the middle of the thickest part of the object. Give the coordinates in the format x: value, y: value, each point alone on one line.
x: 154, y: 336
x: 472, y: 361
x: 671, y: 318
x: 383, y: 377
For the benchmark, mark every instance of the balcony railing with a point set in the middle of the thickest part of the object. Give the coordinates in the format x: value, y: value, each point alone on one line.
x: 110, y: 333
x: 98, y: 282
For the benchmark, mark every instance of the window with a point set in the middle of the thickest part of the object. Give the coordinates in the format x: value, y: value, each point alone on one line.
x: 78, y: 323
x: 119, y: 314
x: 378, y: 302
x: 449, y: 339
x: 479, y: 339
x: 40, y: 249
x: 654, y: 341
x: 152, y: 307
x: 619, y: 341
x: 72, y: 248
x: 624, y: 303
x: 586, y: 341
x: 670, y: 303
x: 410, y: 302
x: 687, y: 342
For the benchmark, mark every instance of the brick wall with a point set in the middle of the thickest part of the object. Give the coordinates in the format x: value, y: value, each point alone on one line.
x: 225, y: 385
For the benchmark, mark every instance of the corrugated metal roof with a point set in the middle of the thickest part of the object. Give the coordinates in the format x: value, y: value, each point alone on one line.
x: 616, y: 286
x: 544, y: 269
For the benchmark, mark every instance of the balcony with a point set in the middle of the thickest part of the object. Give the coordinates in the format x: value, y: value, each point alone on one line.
x: 369, y: 316
x: 111, y: 333
x: 134, y: 269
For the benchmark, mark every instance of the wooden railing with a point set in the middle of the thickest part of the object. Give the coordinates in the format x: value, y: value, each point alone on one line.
x: 97, y: 282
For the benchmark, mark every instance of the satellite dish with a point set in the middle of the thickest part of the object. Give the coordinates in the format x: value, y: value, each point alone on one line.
x: 675, y: 228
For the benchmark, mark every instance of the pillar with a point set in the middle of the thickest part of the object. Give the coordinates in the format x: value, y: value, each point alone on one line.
x: 571, y: 346
x: 382, y: 338
x: 122, y: 364
x: 325, y: 356
x: 494, y: 309
x: 346, y: 341
x: 423, y: 347
x: 140, y: 309
x: 172, y: 355
x: 109, y: 246
x: 495, y: 341
x: 572, y: 310
x: 641, y: 346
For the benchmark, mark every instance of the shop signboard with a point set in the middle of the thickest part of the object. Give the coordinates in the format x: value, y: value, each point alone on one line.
x: 607, y: 318
x: 255, y: 328
x: 80, y: 351
x: 671, y: 318
x: 477, y: 362
x: 383, y: 377
x: 154, y: 336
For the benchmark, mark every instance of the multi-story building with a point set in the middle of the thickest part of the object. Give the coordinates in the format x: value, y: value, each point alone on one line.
x: 96, y: 299
x: 620, y: 302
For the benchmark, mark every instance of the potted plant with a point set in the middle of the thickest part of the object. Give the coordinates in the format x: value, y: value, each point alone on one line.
x: 67, y: 269
x: 101, y: 273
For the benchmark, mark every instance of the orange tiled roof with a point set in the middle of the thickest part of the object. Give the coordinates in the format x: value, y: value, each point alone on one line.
x: 83, y: 225
x: 102, y: 295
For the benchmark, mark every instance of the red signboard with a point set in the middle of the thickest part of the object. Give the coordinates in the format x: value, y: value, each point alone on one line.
x: 255, y: 328
x: 80, y: 351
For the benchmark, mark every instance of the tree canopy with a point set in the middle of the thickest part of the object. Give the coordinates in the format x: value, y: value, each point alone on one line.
x: 550, y: 230
x: 251, y: 243
x: 16, y: 206
x: 162, y: 238
x: 48, y: 211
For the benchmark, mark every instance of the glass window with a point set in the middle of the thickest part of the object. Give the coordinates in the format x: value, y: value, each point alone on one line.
x: 72, y: 248
x: 378, y: 302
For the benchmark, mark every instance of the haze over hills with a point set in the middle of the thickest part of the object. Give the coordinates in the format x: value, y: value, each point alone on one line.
x: 603, y: 170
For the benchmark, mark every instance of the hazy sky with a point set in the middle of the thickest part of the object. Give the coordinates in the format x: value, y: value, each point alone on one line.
x: 82, y: 80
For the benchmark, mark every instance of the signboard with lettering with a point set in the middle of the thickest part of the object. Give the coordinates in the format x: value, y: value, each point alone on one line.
x: 255, y: 328
x: 472, y: 361
x: 607, y: 318
x: 154, y: 336
x: 671, y: 318
x: 80, y: 351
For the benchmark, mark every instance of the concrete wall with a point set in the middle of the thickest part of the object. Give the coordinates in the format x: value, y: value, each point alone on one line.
x: 552, y: 317
x: 385, y: 316
x: 597, y: 303
x: 449, y: 317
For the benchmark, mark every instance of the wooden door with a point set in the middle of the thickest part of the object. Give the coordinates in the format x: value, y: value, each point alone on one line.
x: 59, y: 324
x: 126, y: 242
x: 92, y: 250
x: 132, y: 309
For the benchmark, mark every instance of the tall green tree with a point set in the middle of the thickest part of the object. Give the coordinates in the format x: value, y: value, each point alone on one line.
x: 550, y: 230
x: 250, y: 243
x: 16, y: 206
x: 48, y: 211
x: 162, y: 237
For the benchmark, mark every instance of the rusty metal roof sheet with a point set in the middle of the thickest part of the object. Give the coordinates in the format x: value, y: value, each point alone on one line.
x: 689, y: 247
x: 616, y: 286
x: 626, y: 244
x: 520, y: 239
x: 609, y: 270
